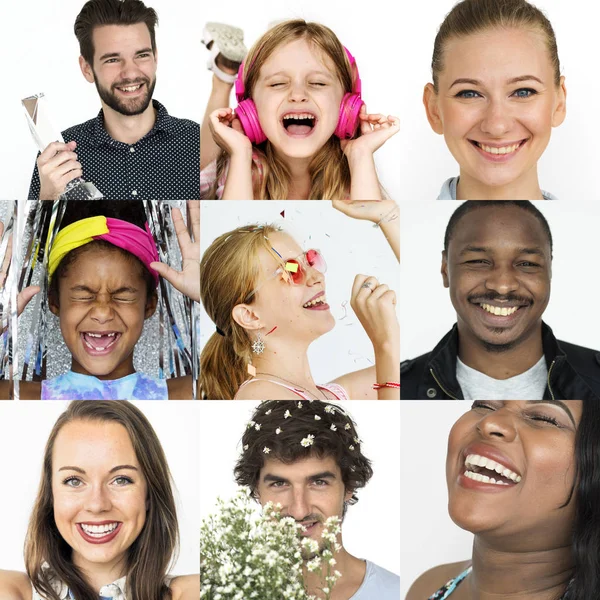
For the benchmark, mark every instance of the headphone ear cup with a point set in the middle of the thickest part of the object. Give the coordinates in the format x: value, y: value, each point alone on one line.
x: 248, y: 116
x: 348, y: 119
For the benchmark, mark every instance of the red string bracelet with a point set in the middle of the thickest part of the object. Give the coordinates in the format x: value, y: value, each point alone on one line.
x: 387, y: 384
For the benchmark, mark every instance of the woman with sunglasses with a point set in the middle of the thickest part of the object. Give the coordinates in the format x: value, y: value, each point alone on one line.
x: 267, y: 298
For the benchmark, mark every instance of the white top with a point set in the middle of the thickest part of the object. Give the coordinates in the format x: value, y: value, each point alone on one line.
x: 448, y: 191
x: 379, y: 583
x: 526, y: 386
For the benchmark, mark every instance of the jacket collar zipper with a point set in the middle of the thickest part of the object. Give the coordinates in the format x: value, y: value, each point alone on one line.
x: 441, y: 386
x: 550, y: 373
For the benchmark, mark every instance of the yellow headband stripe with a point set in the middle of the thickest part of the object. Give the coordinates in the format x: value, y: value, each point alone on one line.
x: 73, y: 236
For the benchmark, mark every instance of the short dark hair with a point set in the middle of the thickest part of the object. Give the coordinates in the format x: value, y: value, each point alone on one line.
x: 131, y: 211
x: 471, y: 205
x: 333, y: 435
x: 96, y: 13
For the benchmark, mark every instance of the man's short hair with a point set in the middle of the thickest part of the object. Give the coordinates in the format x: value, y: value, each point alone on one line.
x: 471, y: 205
x: 290, y: 431
x: 96, y: 13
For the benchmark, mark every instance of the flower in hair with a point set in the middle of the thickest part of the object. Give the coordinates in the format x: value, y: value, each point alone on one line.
x: 351, y: 447
x: 299, y: 404
x: 287, y: 414
x: 333, y: 427
x: 317, y: 418
x: 269, y: 411
x: 308, y: 440
x: 266, y: 450
x: 357, y: 440
x: 278, y: 431
x: 329, y: 408
x: 347, y: 426
x: 250, y: 424
x: 245, y: 446
x: 257, y: 427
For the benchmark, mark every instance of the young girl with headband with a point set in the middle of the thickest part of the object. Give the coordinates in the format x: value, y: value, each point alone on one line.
x: 267, y: 299
x: 497, y: 92
x: 103, y: 273
x: 301, y: 129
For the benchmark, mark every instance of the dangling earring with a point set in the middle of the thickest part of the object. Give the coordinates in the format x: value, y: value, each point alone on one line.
x: 258, y: 347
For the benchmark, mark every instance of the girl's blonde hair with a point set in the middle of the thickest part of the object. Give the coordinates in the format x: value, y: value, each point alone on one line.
x: 329, y: 169
x: 229, y: 271
x: 475, y: 16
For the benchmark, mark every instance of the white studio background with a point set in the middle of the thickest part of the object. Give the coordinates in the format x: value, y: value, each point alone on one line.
x: 374, y: 45
x: 24, y: 430
x: 427, y: 313
x: 429, y: 537
x: 349, y: 247
x: 42, y: 55
x: 372, y: 526
x: 568, y: 167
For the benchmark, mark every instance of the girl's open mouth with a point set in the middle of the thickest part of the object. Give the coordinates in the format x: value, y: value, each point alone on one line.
x: 99, y: 343
x: 299, y: 125
x: 99, y: 534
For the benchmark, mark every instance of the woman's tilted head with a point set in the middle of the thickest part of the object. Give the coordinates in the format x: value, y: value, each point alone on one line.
x: 254, y: 279
x: 102, y: 295
x: 497, y: 91
x: 105, y: 502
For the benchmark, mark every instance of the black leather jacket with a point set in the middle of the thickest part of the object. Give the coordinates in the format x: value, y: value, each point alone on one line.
x: 573, y: 371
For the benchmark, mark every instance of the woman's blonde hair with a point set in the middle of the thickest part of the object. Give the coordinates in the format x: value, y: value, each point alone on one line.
x: 329, y: 169
x: 475, y: 16
x: 229, y: 271
x: 47, y: 554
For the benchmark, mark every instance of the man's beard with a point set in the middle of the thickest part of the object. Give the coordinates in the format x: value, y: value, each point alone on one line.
x: 131, y: 107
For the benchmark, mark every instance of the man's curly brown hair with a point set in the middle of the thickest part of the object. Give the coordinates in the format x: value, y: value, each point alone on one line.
x: 334, y: 434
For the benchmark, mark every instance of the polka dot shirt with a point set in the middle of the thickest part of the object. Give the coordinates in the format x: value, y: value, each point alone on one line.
x: 163, y: 165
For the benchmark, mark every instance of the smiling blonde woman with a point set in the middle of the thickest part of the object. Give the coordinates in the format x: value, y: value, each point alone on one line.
x: 497, y: 92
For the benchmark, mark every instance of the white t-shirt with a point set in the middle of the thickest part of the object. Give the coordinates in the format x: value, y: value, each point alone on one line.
x: 476, y: 385
x: 378, y: 584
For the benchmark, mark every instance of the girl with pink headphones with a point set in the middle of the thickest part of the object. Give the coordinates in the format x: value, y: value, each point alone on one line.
x: 301, y: 129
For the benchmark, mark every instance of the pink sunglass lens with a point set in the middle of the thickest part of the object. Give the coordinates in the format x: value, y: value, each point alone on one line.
x: 315, y: 259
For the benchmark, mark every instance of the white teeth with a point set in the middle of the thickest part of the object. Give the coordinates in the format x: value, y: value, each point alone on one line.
x: 319, y: 300
x: 99, y: 530
x: 96, y: 335
x: 475, y: 460
x: 132, y: 88
x: 501, y: 150
x: 483, y: 478
x: 299, y: 116
x: 501, y: 312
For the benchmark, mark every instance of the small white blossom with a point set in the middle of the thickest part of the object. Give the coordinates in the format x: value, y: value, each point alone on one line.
x: 299, y: 404
x: 266, y: 450
x: 278, y: 431
x: 245, y: 446
x: 269, y: 411
x: 347, y: 426
x: 351, y: 447
x: 257, y: 427
x: 317, y: 418
x: 308, y: 440
x: 329, y: 408
x: 333, y: 427
x: 287, y: 414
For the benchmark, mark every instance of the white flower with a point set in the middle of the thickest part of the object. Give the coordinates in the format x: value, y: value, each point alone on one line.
x: 269, y: 411
x: 357, y: 440
x: 257, y: 427
x: 351, y: 447
x: 278, y: 431
x: 266, y: 450
x: 333, y: 427
x: 245, y: 446
x: 250, y: 424
x: 287, y: 414
x: 329, y: 408
x: 347, y: 426
x: 317, y: 418
x: 308, y: 440
x: 299, y: 404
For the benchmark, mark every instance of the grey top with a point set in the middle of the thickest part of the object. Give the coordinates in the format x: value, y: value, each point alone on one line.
x: 379, y: 584
x: 529, y: 385
x: 448, y: 191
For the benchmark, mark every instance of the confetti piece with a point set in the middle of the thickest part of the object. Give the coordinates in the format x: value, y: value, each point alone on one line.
x: 252, y: 370
x: 327, y: 235
x: 345, y: 307
x: 281, y: 257
x: 282, y: 213
x: 272, y: 330
x: 292, y: 267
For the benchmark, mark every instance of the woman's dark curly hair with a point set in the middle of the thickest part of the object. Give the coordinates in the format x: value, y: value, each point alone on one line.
x: 282, y: 425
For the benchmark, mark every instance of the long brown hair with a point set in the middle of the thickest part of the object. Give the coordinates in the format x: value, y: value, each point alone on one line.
x: 328, y: 169
x: 474, y: 16
x: 229, y: 270
x: 150, y: 555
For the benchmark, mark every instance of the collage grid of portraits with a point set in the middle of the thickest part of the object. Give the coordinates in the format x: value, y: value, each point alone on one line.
x: 424, y: 373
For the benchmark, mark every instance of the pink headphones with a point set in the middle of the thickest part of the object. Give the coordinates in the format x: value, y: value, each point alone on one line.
x: 347, y: 121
